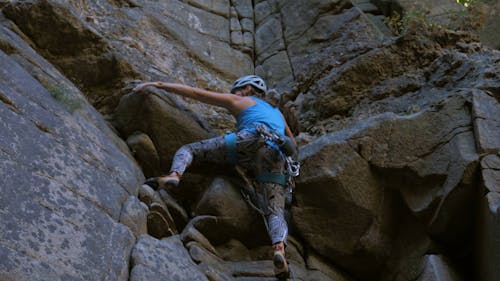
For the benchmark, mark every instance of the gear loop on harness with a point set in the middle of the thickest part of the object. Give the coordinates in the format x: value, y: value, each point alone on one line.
x: 231, y: 149
x: 284, y: 145
x: 280, y: 179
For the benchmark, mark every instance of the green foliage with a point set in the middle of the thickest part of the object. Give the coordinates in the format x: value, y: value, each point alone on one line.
x: 394, y: 23
x: 417, y: 15
x: 466, y: 3
x: 475, y: 15
x: 471, y: 18
x: 62, y: 94
x: 399, y: 24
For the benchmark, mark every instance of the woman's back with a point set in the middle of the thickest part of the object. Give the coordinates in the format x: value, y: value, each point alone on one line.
x: 260, y: 113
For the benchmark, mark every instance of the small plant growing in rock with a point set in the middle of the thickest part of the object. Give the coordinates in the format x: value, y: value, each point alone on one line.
x: 62, y: 94
x: 419, y: 15
x: 399, y: 24
x: 466, y: 3
x: 394, y: 23
x: 474, y: 17
x: 470, y: 18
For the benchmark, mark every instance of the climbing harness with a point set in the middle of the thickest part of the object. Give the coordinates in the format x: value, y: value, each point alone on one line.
x: 293, y: 167
x: 231, y: 148
x: 286, y: 149
x: 284, y: 145
x: 248, y: 192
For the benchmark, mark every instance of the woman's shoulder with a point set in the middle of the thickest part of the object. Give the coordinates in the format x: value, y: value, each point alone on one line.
x: 261, y: 101
x: 257, y: 99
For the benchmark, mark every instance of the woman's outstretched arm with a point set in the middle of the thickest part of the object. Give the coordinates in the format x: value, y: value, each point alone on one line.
x: 233, y: 103
x: 209, y: 97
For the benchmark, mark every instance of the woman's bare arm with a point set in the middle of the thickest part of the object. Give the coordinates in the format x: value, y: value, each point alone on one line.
x: 288, y: 132
x: 235, y: 104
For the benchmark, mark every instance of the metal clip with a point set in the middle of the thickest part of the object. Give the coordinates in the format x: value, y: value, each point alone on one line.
x: 293, y: 166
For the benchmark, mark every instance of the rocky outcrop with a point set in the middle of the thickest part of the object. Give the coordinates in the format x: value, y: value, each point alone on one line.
x: 487, y: 139
x: 400, y: 149
x: 480, y: 17
x: 363, y: 181
x: 490, y: 19
x: 138, y: 114
x: 65, y: 177
x: 96, y: 43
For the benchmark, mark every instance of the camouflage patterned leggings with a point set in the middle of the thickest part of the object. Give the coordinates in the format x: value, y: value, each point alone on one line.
x: 255, y: 157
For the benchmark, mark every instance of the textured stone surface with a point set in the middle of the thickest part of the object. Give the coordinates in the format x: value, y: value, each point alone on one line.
x: 490, y: 165
x: 163, y: 259
x: 159, y: 115
x: 486, y: 112
x: 488, y: 240
x: 438, y: 268
x: 134, y: 215
x: 223, y: 199
x: 402, y: 137
x: 433, y: 176
x: 105, y: 54
x: 63, y: 185
x: 144, y: 151
x: 488, y: 32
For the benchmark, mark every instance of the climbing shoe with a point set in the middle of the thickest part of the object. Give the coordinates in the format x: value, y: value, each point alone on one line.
x: 152, y: 182
x: 279, y: 261
x: 163, y: 181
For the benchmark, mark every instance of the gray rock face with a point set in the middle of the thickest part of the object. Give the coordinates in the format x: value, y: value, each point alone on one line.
x: 144, y: 151
x: 165, y: 259
x: 486, y: 121
x: 480, y: 16
x: 140, y: 112
x: 356, y: 174
x: 488, y: 241
x: 399, y: 144
x: 63, y: 184
x: 487, y: 33
x: 97, y: 45
x: 134, y: 215
x: 437, y: 268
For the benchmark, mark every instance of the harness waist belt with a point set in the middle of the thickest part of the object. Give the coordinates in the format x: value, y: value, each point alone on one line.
x: 280, y: 179
x: 231, y: 152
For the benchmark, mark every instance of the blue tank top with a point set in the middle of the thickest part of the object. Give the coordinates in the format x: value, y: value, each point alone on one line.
x: 260, y: 113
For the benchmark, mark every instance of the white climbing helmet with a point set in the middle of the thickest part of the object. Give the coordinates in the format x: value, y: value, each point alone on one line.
x: 253, y: 80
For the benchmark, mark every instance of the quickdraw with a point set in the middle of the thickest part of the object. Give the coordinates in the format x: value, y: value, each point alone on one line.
x: 284, y: 145
x: 293, y: 166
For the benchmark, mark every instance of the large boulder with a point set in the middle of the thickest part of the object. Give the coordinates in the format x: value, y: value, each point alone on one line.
x: 359, y: 171
x: 488, y: 244
x: 339, y: 207
x: 402, y: 133
x: 165, y: 259
x: 163, y: 119
x: 486, y: 109
x: 224, y: 200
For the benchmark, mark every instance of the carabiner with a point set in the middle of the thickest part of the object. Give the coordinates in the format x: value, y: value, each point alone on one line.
x: 293, y: 167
